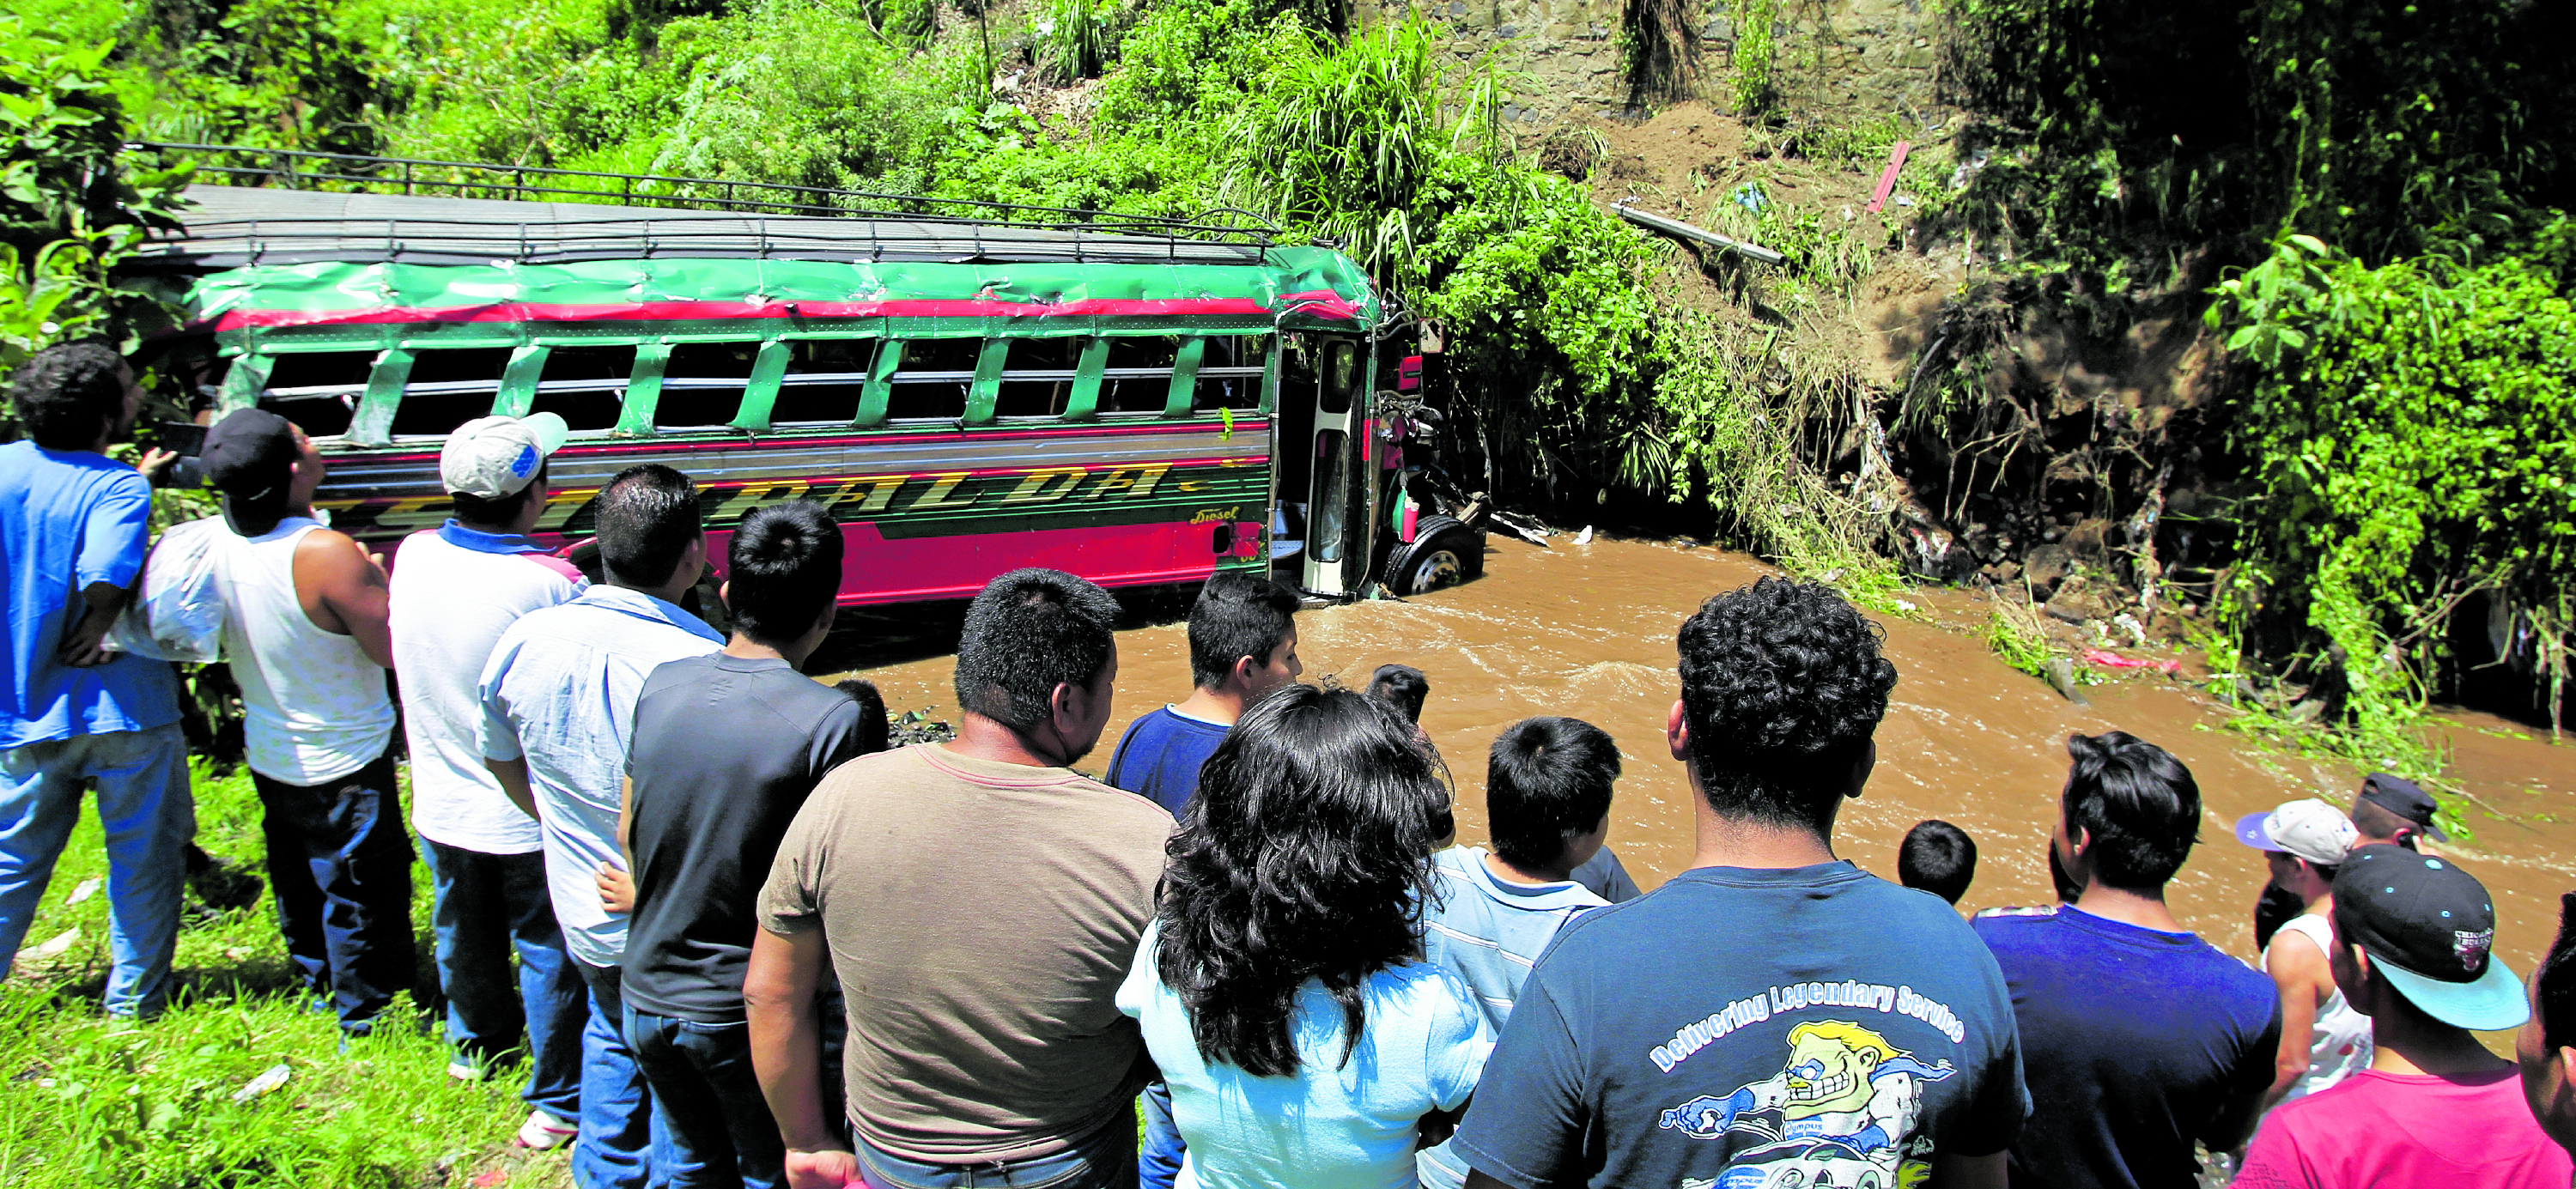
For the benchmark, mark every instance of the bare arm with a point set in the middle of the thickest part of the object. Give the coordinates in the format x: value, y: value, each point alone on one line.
x: 86, y: 644
x: 513, y: 775
x: 617, y: 885
x: 778, y: 992
x: 1952, y: 1171
x: 342, y: 588
x: 2300, y: 972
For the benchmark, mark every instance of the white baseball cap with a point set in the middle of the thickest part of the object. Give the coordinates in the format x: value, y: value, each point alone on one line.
x: 492, y: 457
x: 2308, y: 828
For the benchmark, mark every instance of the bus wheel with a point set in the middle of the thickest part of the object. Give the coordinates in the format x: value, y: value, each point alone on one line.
x: 1443, y: 553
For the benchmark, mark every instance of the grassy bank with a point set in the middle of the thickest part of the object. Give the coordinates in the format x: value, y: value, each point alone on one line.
x: 93, y: 1101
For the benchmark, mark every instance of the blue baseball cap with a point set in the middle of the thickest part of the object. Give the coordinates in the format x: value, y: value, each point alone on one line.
x: 2429, y: 929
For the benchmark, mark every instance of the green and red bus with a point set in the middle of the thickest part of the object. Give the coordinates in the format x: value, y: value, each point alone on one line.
x: 1136, y: 401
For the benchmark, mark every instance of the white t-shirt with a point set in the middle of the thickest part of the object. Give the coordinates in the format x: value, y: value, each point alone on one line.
x: 454, y: 591
x: 1336, y: 1124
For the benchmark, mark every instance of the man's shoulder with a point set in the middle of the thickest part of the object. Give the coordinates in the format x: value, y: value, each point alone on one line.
x: 97, y: 476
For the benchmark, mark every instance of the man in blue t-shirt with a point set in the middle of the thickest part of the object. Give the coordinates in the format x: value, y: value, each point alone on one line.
x: 1243, y: 644
x: 2138, y: 1038
x: 74, y: 715
x: 1773, y: 1016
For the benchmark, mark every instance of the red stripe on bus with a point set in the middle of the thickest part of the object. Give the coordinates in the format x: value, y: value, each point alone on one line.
x: 1321, y: 303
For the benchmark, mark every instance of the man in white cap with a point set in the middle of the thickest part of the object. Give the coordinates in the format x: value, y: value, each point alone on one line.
x: 456, y: 588
x: 2323, y: 1040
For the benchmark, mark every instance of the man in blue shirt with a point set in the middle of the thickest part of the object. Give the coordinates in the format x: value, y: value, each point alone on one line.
x: 1773, y: 1016
x: 1243, y: 644
x: 74, y: 715
x: 558, y: 704
x: 2138, y: 1038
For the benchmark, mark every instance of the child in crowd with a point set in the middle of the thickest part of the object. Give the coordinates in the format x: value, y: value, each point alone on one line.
x: 2323, y: 1039
x: 876, y: 729
x: 1243, y: 644
x: 1405, y: 687
x: 1939, y: 858
x: 1277, y: 988
x: 1547, y: 800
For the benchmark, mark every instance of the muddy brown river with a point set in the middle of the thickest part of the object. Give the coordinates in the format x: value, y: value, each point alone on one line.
x: 1587, y: 630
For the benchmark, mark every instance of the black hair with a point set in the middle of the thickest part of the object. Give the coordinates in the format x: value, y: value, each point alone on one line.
x: 876, y: 731
x: 1547, y: 780
x: 1030, y: 631
x: 2555, y: 980
x: 1300, y: 858
x: 68, y: 392
x: 1403, y: 685
x: 2375, y: 820
x: 2138, y: 802
x: 1237, y: 615
x: 782, y: 567
x: 499, y: 509
x: 1782, y: 687
x: 1939, y: 858
x: 647, y: 516
x: 2068, y: 888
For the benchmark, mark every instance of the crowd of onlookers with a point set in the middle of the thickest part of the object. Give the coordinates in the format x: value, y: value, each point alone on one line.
x: 735, y: 939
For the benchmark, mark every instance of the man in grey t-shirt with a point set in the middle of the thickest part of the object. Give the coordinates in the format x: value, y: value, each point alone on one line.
x: 996, y: 1052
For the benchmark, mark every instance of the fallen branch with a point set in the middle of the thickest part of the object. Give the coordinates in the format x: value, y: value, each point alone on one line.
x: 1676, y: 227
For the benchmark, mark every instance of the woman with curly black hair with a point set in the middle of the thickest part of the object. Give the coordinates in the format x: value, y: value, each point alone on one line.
x: 1281, y: 987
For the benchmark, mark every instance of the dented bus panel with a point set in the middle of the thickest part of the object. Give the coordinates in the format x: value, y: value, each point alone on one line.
x: 965, y: 398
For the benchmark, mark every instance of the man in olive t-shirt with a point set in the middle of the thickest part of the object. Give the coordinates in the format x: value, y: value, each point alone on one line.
x: 985, y: 1046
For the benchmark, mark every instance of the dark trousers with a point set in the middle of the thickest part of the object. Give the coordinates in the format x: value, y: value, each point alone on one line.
x: 714, y: 1128
x: 489, y: 906
x: 340, y: 864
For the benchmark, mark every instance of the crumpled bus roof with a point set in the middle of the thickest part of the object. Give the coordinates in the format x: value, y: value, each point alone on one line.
x: 271, y: 260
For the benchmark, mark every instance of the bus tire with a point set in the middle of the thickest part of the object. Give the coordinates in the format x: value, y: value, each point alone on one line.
x: 1443, y: 553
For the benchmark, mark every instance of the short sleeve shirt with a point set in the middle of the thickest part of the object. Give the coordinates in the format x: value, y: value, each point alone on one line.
x: 70, y: 519
x: 2377, y: 1129
x: 2133, y: 1041
x: 1160, y: 756
x: 725, y: 751
x: 987, y: 1003
x: 1752, y: 1028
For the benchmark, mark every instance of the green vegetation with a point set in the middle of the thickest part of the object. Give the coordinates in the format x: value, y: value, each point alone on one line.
x: 95, y: 1101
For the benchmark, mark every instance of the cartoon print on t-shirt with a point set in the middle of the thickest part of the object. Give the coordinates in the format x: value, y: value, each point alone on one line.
x: 1842, y: 1112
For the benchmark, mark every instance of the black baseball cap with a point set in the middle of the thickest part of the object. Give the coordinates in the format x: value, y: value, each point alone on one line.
x: 250, y: 457
x: 2429, y: 928
x: 2402, y: 797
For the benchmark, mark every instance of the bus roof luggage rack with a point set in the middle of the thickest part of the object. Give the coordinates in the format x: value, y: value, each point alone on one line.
x: 303, y: 206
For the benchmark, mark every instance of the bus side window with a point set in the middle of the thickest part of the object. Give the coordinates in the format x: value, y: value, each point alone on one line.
x: 447, y: 388
x: 1341, y: 375
x: 824, y: 380
x: 584, y: 384
x: 317, y: 390
x: 1230, y: 374
x: 932, y: 383
x: 1138, y: 375
x: 702, y: 385
x: 1037, y: 378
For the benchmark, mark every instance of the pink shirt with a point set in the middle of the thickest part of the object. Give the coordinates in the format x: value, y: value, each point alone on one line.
x: 2386, y: 1129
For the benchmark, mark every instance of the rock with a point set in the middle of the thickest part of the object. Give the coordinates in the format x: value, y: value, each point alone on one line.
x: 2307, y: 711
x: 2090, y: 540
x: 2046, y: 566
x: 2061, y: 673
x: 2076, y: 604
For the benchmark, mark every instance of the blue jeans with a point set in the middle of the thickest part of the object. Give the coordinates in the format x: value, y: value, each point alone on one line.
x: 615, y: 1147
x: 143, y: 801
x: 712, y: 1127
x: 340, y: 864
x: 1159, y: 1164
x: 1107, y: 1160
x: 485, y: 906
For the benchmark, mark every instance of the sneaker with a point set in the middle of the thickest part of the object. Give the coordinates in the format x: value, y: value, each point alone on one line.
x: 464, y: 1071
x: 543, y: 1131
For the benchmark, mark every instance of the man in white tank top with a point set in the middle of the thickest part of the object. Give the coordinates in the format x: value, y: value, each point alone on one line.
x: 2323, y: 1040
x: 304, y: 630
